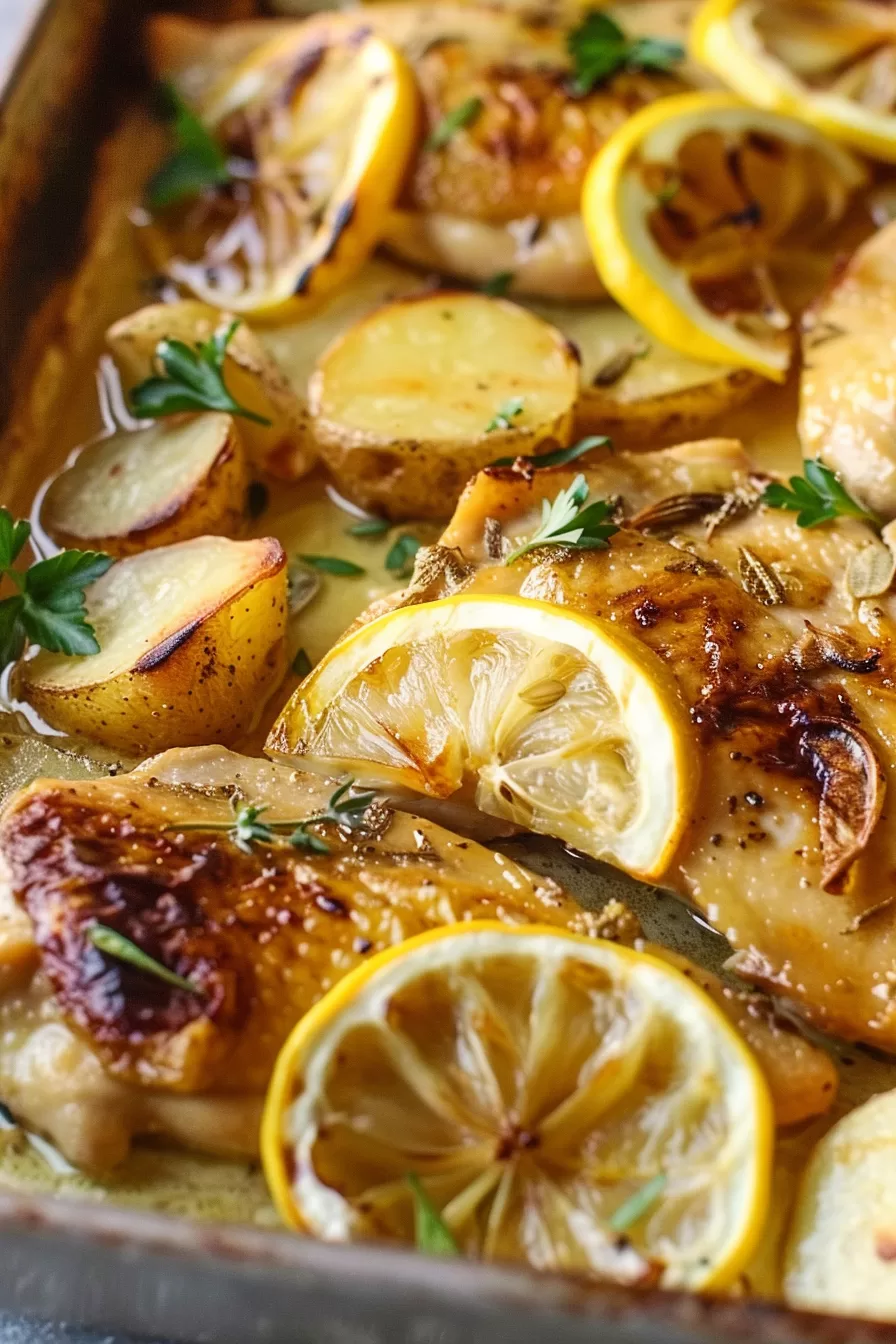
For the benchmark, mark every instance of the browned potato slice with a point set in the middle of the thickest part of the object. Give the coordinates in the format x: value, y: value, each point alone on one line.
x: 178, y: 479
x: 191, y: 643
x: 415, y: 398
x: 638, y: 390
x: 253, y: 378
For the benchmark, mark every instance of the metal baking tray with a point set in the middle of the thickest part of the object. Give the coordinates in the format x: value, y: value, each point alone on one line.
x: 65, y: 67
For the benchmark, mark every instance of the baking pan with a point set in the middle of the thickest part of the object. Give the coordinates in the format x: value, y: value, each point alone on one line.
x: 65, y: 66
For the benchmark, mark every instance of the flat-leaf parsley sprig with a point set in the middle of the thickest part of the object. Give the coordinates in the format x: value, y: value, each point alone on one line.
x: 197, y: 163
x: 192, y: 379
x: 600, y: 49
x: 571, y: 519
x: 344, y: 809
x: 48, y: 608
x: 816, y: 497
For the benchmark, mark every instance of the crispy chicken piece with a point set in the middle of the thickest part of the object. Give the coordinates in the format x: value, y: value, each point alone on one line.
x: 802, y: 1077
x: 790, y: 849
x: 848, y: 386
x: 96, y: 1050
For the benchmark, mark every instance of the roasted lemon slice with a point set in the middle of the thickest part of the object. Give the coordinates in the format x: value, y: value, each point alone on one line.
x: 685, y: 207
x: 319, y: 137
x: 561, y: 1101
x: 831, y: 63
x: 842, y: 1248
x: 530, y: 712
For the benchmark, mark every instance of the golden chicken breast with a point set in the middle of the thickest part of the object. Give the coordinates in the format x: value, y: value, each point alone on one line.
x: 97, y: 1049
x: 792, y: 698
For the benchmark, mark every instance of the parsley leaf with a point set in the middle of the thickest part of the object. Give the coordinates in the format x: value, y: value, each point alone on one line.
x: 816, y: 497
x: 332, y: 564
x: 463, y: 115
x: 115, y: 944
x: 506, y: 412
x: 572, y: 519
x: 432, y: 1233
x: 400, y: 560
x: 560, y: 457
x: 49, y: 608
x: 600, y: 49
x: 498, y: 284
x: 192, y: 380
x: 197, y: 163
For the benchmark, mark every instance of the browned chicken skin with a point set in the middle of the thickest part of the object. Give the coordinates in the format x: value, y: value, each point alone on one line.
x: 789, y: 851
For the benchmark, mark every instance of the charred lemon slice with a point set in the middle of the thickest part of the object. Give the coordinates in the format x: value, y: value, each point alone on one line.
x: 557, y: 1100
x: 527, y: 711
x: 831, y: 63
x: 685, y: 208
x: 318, y: 138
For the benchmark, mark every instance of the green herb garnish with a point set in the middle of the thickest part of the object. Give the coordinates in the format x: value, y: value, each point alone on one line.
x: 433, y: 1235
x: 463, y: 115
x: 192, y: 380
x: 638, y: 1204
x: 600, y: 49
x: 400, y: 560
x: 505, y: 414
x: 560, y: 457
x: 115, y: 944
x: 498, y: 284
x: 667, y: 193
x: 343, y: 808
x: 816, y: 497
x: 301, y: 664
x: 197, y: 163
x: 48, y: 608
x: 332, y: 564
x: 369, y: 527
x: 572, y: 519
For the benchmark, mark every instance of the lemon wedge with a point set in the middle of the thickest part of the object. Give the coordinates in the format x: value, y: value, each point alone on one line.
x: 562, y: 1101
x: 832, y: 63
x: 527, y: 711
x: 841, y: 1254
x: 685, y: 206
x: 319, y: 135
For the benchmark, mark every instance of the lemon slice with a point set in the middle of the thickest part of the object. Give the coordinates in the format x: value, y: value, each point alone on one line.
x: 530, y: 712
x: 841, y: 1255
x: 831, y: 63
x: 563, y: 1101
x: 684, y: 208
x: 319, y: 137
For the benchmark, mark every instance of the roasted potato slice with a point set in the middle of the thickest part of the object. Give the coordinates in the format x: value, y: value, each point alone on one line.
x: 638, y: 390
x: 131, y: 491
x: 254, y: 379
x: 548, y: 258
x: 191, y: 642
x: 415, y: 398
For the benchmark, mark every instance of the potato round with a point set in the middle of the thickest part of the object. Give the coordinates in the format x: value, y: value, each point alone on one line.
x: 636, y: 389
x: 407, y: 403
x: 191, y: 642
x: 253, y: 378
x: 131, y: 491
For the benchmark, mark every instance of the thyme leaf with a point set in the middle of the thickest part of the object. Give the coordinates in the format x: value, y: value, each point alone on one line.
x: 115, y: 944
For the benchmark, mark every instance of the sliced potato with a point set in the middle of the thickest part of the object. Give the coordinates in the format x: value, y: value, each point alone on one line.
x: 191, y: 642
x: 131, y: 491
x: 638, y: 390
x: 548, y: 258
x: 254, y: 379
x: 414, y: 399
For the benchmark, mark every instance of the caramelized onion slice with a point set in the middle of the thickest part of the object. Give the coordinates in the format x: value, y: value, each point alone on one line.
x: 844, y: 762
